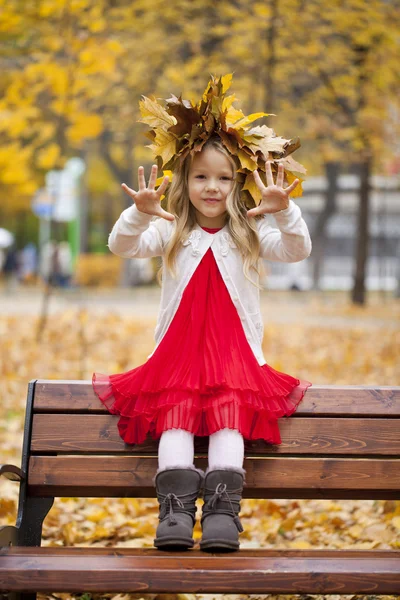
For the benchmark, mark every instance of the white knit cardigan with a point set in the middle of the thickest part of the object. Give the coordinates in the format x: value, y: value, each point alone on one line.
x: 138, y: 235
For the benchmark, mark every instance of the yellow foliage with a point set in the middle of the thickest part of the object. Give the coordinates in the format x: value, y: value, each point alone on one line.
x: 47, y: 157
x: 97, y: 25
x: 84, y: 126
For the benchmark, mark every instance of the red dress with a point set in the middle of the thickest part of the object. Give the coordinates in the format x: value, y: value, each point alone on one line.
x: 203, y: 376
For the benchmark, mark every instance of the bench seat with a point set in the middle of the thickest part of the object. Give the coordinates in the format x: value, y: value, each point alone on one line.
x: 247, y: 571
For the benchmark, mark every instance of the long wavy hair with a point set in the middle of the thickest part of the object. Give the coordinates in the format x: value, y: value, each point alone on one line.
x: 242, y: 229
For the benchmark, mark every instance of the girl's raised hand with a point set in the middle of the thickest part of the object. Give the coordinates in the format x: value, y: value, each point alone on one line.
x: 148, y: 199
x: 274, y: 197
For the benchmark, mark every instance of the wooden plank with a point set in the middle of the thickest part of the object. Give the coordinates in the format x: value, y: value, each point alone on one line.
x: 272, y: 477
x: 328, y: 400
x: 262, y: 571
x: 69, y: 433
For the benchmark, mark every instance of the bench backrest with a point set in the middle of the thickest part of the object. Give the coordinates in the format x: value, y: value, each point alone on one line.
x: 343, y: 442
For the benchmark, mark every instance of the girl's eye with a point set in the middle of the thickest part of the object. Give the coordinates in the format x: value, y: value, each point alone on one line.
x: 227, y: 178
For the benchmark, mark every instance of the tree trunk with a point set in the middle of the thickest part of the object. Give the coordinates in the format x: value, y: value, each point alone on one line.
x: 358, y: 292
x: 271, y: 61
x: 319, y: 235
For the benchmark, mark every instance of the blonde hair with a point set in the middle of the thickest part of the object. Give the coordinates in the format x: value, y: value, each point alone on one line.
x: 242, y: 229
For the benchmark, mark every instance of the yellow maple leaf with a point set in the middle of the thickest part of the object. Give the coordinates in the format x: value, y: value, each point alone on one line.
x: 252, y: 188
x: 233, y: 115
x: 165, y: 145
x: 228, y: 101
x: 226, y: 81
x: 241, y: 124
x: 166, y: 173
x: 298, y: 190
x: 154, y: 114
x: 246, y: 161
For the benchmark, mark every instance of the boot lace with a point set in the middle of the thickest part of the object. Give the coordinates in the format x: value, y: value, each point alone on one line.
x: 219, y: 494
x: 167, y: 505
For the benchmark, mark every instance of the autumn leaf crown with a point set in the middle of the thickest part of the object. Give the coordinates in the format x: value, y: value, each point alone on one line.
x: 181, y: 128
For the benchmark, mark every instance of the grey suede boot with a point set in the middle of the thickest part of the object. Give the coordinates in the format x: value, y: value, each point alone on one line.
x: 220, y: 522
x: 177, y: 492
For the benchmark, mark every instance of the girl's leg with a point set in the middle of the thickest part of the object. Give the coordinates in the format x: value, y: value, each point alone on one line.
x: 223, y: 487
x: 176, y: 449
x: 226, y: 449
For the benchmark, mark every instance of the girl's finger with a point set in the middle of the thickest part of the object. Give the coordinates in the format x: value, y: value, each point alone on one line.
x: 253, y: 212
x: 279, y: 179
x: 268, y: 173
x: 163, y: 186
x: 167, y: 215
x: 292, y: 186
x: 128, y: 190
x: 142, y: 181
x: 258, y: 180
x: 153, y: 177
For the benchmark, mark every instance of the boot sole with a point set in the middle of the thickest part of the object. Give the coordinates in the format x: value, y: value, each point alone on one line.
x: 174, y: 543
x: 219, y: 545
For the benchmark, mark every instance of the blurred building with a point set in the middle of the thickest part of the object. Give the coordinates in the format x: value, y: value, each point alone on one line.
x: 340, y: 246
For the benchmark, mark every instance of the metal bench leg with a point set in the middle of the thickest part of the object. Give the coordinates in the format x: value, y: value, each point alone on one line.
x: 31, y: 522
x: 29, y: 527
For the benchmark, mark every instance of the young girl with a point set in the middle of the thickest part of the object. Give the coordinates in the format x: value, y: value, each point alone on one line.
x: 207, y: 375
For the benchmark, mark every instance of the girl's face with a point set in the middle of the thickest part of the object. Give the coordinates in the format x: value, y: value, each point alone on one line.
x: 210, y: 180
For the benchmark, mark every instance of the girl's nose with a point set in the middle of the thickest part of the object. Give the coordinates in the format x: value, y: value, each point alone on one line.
x: 211, y: 186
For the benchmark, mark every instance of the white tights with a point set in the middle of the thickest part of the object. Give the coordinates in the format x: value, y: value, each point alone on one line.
x: 176, y: 449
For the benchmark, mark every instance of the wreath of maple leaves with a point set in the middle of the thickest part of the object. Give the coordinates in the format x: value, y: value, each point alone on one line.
x: 180, y: 128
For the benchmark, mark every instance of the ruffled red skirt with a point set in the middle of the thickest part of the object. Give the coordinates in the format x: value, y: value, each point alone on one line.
x: 203, y: 376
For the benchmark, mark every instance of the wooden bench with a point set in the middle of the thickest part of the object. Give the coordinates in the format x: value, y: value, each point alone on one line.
x: 342, y: 443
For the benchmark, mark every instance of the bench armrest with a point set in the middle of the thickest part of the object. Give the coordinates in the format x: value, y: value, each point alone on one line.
x: 12, y: 472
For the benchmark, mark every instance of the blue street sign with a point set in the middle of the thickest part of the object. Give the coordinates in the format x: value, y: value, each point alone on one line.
x: 42, y: 204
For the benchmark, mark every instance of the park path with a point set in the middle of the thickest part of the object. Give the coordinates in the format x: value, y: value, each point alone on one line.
x: 315, y: 309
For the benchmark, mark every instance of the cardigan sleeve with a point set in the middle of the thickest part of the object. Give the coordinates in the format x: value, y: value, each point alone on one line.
x: 291, y: 242
x: 136, y: 235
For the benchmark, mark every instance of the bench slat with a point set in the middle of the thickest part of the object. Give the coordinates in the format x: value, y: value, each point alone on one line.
x: 342, y: 401
x: 273, y: 477
x: 66, y: 433
x: 262, y: 571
